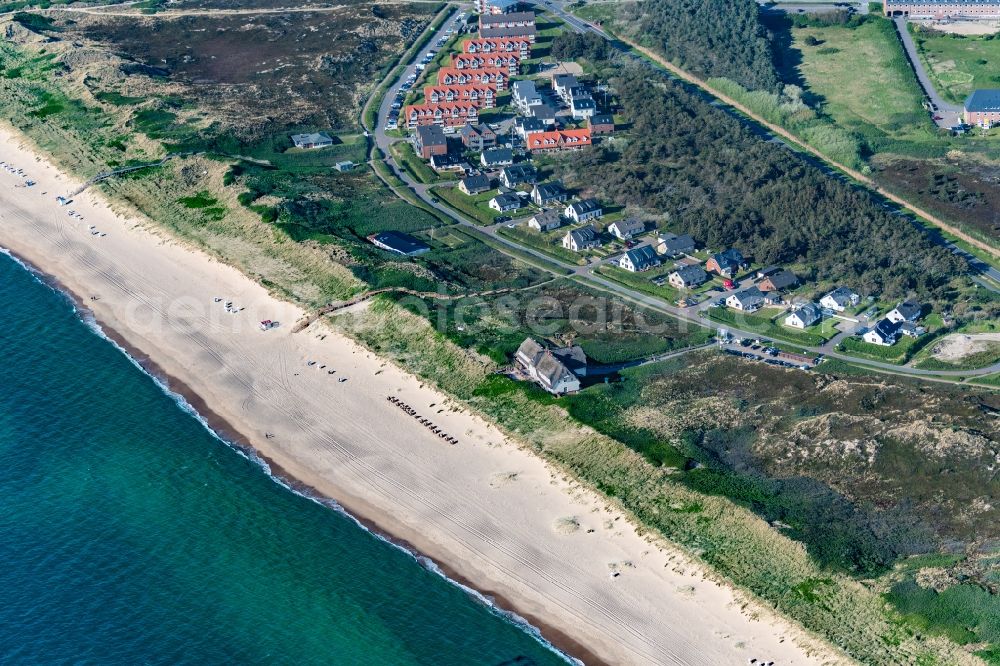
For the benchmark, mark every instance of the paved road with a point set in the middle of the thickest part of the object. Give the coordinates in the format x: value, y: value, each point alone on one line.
x: 586, y: 273
x: 949, y: 114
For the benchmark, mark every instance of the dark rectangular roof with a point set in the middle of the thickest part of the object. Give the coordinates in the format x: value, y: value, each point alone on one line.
x: 497, y: 155
x: 602, y: 119
x: 396, y: 241
x: 431, y: 135
x: 479, y: 182
x: 516, y: 31
x: 984, y: 99
x: 501, y: 19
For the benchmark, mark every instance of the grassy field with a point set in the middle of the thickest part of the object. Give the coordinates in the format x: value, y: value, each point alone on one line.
x: 765, y: 326
x: 408, y: 160
x: 549, y: 243
x: 958, y: 64
x: 862, y: 80
x: 898, y: 353
x: 475, y: 207
x: 642, y: 281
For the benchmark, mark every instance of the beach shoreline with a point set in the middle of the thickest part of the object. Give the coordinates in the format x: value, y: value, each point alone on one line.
x: 231, y: 436
x: 446, y: 507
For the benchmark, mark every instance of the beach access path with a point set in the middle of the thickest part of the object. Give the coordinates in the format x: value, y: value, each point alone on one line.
x: 487, y: 511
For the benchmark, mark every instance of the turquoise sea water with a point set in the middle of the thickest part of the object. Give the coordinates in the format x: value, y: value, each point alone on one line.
x: 129, y: 534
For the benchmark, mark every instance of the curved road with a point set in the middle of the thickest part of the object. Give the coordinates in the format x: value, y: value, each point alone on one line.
x: 586, y: 273
x: 950, y: 114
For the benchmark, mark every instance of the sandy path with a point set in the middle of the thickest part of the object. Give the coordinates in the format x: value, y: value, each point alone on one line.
x: 453, y: 503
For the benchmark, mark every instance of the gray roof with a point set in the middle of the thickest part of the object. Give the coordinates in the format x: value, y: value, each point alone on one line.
x: 602, y: 119
x: 751, y: 296
x: 585, y: 206
x: 673, y: 243
x: 730, y: 257
x: 886, y: 329
x: 521, y: 173
x: 473, y: 183
x: 497, y: 155
x: 529, y: 351
x: 431, y: 135
x: 498, y: 32
x: 487, y: 19
x: 808, y: 313
x: 841, y: 295
x: 986, y: 99
x: 628, y: 226
x: 523, y: 88
x: 692, y: 273
x: 507, y: 199
x: 782, y: 279
x: 910, y: 310
x: 584, y: 234
x: 529, y: 123
x: 542, y: 111
x: 583, y: 103
x: 642, y: 256
x: 314, y: 137
x: 553, y: 189
x: 472, y: 130
x: 547, y: 217
x: 399, y: 242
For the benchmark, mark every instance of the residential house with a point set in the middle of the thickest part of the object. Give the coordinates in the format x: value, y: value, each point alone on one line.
x: 519, y: 174
x: 687, y: 277
x: 727, y: 263
x: 545, y: 220
x: 511, y: 62
x: 452, y: 76
x: 562, y: 83
x: 804, y: 316
x: 525, y: 126
x: 483, y: 96
x: 581, y: 211
x: 982, y: 108
x: 748, y: 300
x: 884, y: 333
x: 543, y: 112
x: 551, y: 368
x: 496, y: 157
x: 472, y: 185
x: 581, y: 239
x: 448, y: 162
x: 640, y: 258
x: 521, y: 47
x: 625, y: 229
x: 505, y: 202
x: 429, y: 140
x: 779, y: 280
x: 478, y: 137
x: 905, y: 311
x: 840, y: 299
x: 582, y: 108
x: 765, y: 272
x: 558, y: 140
x: 548, y: 193
x: 313, y: 140
x: 509, y: 20
x: 524, y: 95
x: 601, y: 123
x: 400, y: 243
x: 448, y: 114
x: 527, y: 32
x: 672, y: 245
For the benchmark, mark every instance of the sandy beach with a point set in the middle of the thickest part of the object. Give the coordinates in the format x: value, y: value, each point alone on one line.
x: 489, y: 513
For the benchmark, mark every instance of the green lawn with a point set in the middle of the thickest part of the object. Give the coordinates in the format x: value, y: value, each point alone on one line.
x: 897, y: 353
x: 475, y: 207
x: 764, y: 325
x: 549, y: 243
x: 958, y: 64
x: 861, y: 77
x: 642, y: 281
x: 408, y: 160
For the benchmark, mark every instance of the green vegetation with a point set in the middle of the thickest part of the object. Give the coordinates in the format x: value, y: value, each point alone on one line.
x: 958, y: 64
x: 765, y: 326
x: 898, y: 353
x: 708, y: 37
x: 963, y: 613
x: 475, y: 207
x: 550, y: 242
x: 406, y: 158
x: 738, y: 191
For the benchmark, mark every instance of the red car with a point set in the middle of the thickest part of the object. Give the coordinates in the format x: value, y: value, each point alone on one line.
x: 728, y: 284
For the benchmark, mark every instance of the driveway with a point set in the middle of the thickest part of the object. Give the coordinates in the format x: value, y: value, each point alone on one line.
x: 949, y: 114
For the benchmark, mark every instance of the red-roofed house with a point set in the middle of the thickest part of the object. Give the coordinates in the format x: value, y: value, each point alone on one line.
x: 452, y: 76
x: 483, y: 96
x: 558, y: 139
x: 451, y: 114
x: 508, y: 61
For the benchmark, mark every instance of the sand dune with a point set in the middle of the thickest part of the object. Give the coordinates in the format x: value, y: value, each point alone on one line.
x: 491, y: 513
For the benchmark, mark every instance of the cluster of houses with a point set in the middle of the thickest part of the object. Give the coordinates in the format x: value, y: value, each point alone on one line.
x: 901, y: 320
x: 474, y: 78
